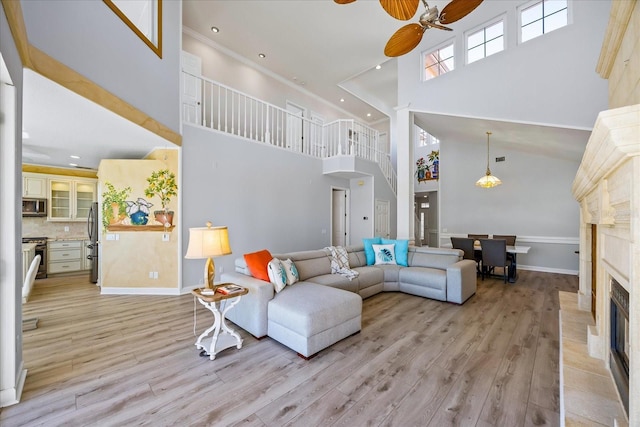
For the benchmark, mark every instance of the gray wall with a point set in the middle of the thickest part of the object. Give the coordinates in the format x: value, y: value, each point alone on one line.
x: 267, y: 197
x: 534, y: 201
x: 74, y: 31
x: 550, y: 79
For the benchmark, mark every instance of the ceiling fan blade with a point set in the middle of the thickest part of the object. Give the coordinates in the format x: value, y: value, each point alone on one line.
x: 404, y: 40
x: 344, y: 1
x: 457, y: 9
x: 438, y: 26
x: 400, y: 9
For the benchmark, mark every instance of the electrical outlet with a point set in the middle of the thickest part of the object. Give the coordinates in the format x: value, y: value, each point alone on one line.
x: 151, y: 275
x: 165, y: 237
x: 155, y: 274
x: 66, y: 229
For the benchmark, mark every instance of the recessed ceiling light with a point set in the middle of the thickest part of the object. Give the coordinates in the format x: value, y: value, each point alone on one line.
x: 74, y: 157
x: 73, y: 164
x: 341, y: 99
x: 378, y: 66
x: 262, y: 55
x: 215, y: 29
x: 368, y: 114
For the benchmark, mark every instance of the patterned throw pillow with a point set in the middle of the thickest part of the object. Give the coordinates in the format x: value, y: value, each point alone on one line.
x: 291, y: 271
x: 277, y: 274
x: 384, y: 254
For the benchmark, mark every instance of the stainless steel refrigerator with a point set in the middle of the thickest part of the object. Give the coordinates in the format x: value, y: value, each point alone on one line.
x: 93, y: 229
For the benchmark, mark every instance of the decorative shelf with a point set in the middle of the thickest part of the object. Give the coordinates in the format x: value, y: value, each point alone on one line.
x: 119, y: 227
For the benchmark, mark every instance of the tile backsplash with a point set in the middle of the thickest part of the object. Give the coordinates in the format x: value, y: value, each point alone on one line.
x: 40, y: 227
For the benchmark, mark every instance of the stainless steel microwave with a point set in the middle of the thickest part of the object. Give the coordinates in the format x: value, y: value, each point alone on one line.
x: 34, y: 207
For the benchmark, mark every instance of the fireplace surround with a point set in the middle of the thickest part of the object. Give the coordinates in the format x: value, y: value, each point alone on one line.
x: 619, y: 326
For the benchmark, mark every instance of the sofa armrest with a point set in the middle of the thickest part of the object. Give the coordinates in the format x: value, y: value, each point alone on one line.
x: 251, y: 312
x: 461, y: 281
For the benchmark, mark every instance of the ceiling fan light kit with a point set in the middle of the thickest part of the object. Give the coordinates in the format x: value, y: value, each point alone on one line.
x: 408, y: 37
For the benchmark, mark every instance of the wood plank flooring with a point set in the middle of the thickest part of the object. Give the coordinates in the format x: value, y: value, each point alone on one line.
x: 108, y: 360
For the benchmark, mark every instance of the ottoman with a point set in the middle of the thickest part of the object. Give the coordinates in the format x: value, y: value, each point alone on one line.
x: 308, y: 318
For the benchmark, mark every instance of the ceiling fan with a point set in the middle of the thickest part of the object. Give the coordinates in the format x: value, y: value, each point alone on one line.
x: 409, y: 36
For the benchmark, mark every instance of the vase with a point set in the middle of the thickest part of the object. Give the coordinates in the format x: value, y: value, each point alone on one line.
x: 436, y: 166
x: 420, y: 174
x: 164, y: 217
x: 139, y: 218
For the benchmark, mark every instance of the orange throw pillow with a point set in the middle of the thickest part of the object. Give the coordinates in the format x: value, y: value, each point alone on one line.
x: 257, y: 263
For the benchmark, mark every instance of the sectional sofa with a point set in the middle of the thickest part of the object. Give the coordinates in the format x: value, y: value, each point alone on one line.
x: 323, y: 308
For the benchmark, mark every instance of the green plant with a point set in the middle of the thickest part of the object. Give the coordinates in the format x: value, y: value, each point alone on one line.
x: 110, y: 197
x: 163, y: 184
x: 421, y: 165
x: 434, y: 155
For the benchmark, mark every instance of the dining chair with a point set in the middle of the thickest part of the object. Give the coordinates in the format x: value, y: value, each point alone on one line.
x: 478, y: 236
x: 511, y: 241
x: 494, y: 254
x: 466, y: 245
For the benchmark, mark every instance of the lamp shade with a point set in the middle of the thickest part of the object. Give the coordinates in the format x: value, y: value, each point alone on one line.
x: 207, y: 242
x: 488, y: 181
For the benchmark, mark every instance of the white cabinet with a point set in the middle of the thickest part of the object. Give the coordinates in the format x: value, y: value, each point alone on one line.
x: 65, y: 256
x: 34, y: 186
x: 70, y: 199
x: 86, y: 263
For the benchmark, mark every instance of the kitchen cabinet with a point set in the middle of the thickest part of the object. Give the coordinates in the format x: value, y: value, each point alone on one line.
x: 65, y: 256
x: 86, y: 263
x: 70, y: 199
x: 34, y: 186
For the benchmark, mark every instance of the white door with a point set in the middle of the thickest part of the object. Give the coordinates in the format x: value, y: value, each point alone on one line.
x: 339, y: 217
x: 191, y: 90
x: 295, y: 129
x: 382, y: 219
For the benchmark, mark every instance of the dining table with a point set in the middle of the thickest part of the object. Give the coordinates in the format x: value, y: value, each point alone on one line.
x: 514, y: 251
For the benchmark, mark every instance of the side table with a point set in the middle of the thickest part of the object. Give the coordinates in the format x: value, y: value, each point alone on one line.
x: 223, y: 336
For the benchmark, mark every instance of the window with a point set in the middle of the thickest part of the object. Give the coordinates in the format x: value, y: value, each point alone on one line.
x: 438, y: 62
x: 542, y: 17
x: 144, y: 17
x: 425, y: 138
x: 486, y: 42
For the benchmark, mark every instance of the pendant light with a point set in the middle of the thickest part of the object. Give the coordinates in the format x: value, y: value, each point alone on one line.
x: 488, y: 181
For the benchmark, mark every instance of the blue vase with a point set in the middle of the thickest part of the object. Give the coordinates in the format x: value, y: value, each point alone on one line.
x: 434, y: 173
x: 139, y: 218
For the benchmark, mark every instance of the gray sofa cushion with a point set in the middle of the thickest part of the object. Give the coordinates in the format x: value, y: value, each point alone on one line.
x: 369, y: 276
x: 424, y: 276
x: 434, y: 257
x: 335, y: 281
x: 309, y: 263
x: 309, y: 309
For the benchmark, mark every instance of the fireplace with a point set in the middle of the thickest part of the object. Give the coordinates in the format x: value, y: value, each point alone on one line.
x: 619, y: 360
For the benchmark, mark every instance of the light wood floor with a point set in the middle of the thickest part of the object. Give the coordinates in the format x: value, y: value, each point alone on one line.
x: 131, y: 360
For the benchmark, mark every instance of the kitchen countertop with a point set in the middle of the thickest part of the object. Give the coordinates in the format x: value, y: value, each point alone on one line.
x: 57, y: 239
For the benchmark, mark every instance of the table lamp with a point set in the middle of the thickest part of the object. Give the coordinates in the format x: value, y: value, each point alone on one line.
x: 208, y: 242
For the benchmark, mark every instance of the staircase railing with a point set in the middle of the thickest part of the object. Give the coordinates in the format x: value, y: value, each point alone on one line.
x: 216, y: 106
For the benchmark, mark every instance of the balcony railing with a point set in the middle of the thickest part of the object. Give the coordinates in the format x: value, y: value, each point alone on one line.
x: 216, y: 106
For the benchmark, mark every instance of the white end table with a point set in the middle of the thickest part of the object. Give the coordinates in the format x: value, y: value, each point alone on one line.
x: 223, y: 336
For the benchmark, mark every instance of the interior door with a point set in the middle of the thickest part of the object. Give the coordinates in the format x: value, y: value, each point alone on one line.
x: 191, y: 90
x: 295, y: 128
x: 339, y: 217
x: 382, y: 219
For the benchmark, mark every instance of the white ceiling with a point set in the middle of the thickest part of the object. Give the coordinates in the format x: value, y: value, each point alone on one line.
x: 332, y: 48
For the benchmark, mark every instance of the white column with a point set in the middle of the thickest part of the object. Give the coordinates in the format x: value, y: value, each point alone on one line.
x: 405, y: 174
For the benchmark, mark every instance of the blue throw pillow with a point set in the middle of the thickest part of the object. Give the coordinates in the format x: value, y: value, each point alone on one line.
x: 402, y: 250
x: 368, y: 249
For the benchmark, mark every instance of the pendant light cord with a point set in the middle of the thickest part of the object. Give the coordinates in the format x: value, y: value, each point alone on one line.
x: 488, y: 170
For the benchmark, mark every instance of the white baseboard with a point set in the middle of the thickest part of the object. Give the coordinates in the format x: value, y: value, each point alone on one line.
x: 548, y: 270
x: 140, y: 291
x: 11, y: 396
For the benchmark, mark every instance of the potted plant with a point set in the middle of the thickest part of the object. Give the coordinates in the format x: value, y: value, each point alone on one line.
x: 138, y: 211
x: 162, y: 183
x: 434, y: 158
x: 114, y: 206
x: 422, y: 169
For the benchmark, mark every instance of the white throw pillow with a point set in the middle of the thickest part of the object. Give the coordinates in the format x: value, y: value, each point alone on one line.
x: 291, y: 271
x: 384, y: 254
x: 277, y: 274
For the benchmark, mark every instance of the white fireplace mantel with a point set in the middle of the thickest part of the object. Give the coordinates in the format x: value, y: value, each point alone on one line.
x: 607, y: 186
